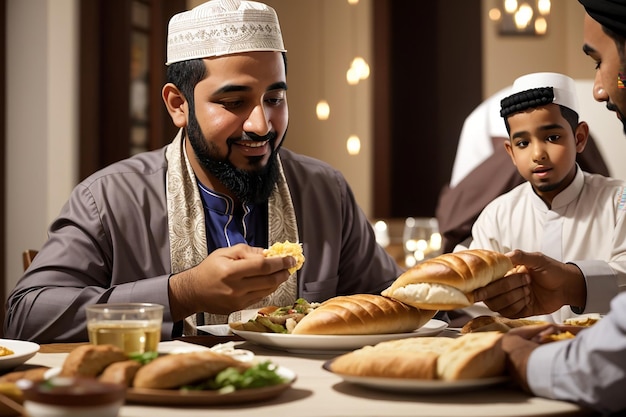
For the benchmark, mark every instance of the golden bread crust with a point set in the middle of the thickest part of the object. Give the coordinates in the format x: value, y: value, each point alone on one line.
x: 447, y: 281
x: 362, y: 314
x: 91, y: 360
x: 172, y: 371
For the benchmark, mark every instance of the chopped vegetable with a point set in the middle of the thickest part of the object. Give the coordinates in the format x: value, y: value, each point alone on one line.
x: 230, y: 379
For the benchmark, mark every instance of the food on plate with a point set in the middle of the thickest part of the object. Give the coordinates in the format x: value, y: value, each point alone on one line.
x: 287, y: 248
x: 5, y: 351
x: 362, y: 314
x: 470, y: 356
x: 31, y: 374
x: 90, y: 360
x: 497, y: 323
x: 122, y: 372
x: 342, y: 315
x: 172, y: 371
x: 274, y: 319
x: 447, y: 281
x: 584, y: 321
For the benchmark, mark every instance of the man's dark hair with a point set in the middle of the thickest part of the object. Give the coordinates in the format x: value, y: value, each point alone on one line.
x: 186, y: 74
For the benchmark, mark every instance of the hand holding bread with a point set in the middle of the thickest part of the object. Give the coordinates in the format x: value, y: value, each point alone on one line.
x: 446, y: 282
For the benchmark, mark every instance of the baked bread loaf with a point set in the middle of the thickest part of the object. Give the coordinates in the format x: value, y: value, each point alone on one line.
x: 496, y: 323
x: 471, y: 356
x: 120, y: 372
x: 172, y: 371
x: 91, y: 360
x: 287, y: 248
x: 446, y: 282
x: 362, y: 314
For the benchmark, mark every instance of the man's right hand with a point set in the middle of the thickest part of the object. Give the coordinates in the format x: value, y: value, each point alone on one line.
x: 227, y: 280
x: 543, y: 288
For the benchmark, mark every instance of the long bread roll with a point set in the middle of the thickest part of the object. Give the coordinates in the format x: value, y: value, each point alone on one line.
x: 446, y: 282
x: 362, y: 314
x: 471, y: 356
x: 172, y: 371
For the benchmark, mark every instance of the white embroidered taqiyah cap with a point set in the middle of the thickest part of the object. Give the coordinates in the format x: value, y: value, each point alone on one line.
x: 539, y: 89
x: 223, y: 27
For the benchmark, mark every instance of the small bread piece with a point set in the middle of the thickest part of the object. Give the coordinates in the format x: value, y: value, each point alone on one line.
x: 446, y: 282
x: 497, y: 323
x: 362, y: 314
x: 120, y: 372
x: 90, y: 360
x: 286, y: 248
x: 474, y: 355
x: 175, y: 370
x: 415, y: 357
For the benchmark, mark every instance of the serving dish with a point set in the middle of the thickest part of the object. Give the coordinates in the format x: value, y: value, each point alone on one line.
x: 22, y: 351
x: 332, y: 344
x: 181, y: 397
x: 419, y: 386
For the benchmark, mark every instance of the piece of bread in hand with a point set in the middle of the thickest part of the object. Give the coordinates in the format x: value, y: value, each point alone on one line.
x: 478, y: 355
x: 446, y: 282
x: 286, y: 248
x: 91, y: 360
x: 362, y: 314
x: 175, y: 370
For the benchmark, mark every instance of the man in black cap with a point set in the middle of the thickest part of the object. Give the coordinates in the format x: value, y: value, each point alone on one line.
x: 589, y: 369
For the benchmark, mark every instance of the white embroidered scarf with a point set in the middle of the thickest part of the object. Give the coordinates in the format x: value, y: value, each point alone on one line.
x: 187, y: 228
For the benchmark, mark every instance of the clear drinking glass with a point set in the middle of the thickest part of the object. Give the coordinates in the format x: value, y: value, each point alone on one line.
x: 133, y: 327
x: 421, y: 239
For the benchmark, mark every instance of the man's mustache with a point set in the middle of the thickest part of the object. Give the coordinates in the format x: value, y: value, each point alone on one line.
x: 271, y: 136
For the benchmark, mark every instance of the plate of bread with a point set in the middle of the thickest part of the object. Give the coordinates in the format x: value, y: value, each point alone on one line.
x: 425, y: 364
x: 194, y: 377
x: 337, y: 325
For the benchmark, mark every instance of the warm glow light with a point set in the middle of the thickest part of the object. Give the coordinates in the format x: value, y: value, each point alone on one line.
x: 352, y: 76
x: 353, y: 2
x: 523, y: 16
x: 353, y: 145
x: 510, y: 6
x: 495, y: 14
x: 543, y: 6
x: 541, y: 26
x: 361, y: 66
x: 322, y: 110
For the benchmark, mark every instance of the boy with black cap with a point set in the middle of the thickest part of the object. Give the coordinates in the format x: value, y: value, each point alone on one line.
x: 561, y: 211
x: 589, y: 369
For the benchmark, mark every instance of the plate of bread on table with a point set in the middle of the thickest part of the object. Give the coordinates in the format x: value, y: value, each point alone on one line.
x: 474, y: 359
x: 192, y: 377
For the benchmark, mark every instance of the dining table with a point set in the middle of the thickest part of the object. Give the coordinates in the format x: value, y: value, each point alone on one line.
x: 318, y: 392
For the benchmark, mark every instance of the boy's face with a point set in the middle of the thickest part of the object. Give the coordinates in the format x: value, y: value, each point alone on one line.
x: 602, y: 49
x: 543, y: 148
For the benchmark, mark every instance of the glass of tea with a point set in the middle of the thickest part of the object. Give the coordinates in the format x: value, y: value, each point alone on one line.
x: 133, y: 327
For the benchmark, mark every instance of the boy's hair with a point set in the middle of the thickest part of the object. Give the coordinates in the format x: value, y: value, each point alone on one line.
x: 531, y: 99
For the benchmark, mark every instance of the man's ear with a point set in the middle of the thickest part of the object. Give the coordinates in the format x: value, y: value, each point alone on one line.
x: 581, y: 134
x: 176, y: 104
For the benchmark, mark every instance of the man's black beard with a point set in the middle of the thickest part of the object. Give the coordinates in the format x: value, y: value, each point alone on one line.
x: 251, y: 187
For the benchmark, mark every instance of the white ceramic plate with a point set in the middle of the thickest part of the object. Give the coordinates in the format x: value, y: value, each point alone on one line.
x: 176, y: 397
x: 423, y: 386
x: 332, y: 344
x: 22, y: 351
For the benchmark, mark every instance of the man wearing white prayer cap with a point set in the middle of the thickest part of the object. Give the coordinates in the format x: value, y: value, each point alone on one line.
x: 560, y: 211
x: 185, y: 226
